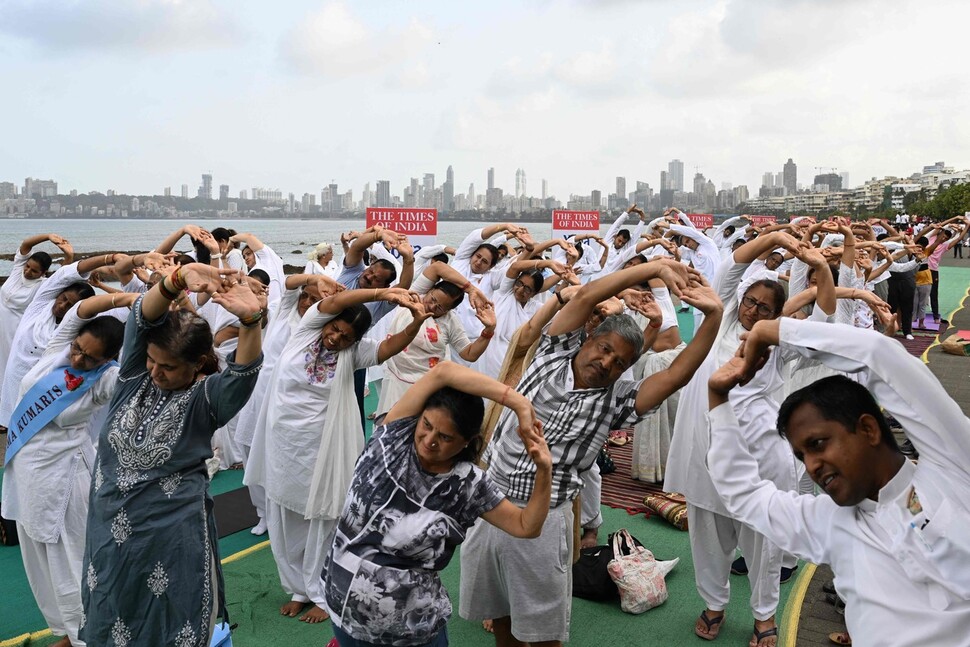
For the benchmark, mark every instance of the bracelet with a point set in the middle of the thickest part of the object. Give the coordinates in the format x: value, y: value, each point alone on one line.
x: 107, y: 259
x: 376, y: 290
x: 178, y: 281
x: 505, y: 395
x: 252, y: 321
x: 113, y: 296
x: 171, y: 295
x: 560, y: 299
x: 215, y: 256
x: 488, y: 334
x: 466, y: 286
x: 659, y: 323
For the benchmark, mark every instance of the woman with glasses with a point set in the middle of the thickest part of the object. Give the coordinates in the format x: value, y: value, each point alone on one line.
x: 442, y: 288
x: 515, y: 304
x: 713, y: 534
x: 47, y: 476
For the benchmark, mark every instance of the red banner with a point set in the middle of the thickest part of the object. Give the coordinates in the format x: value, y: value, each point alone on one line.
x: 702, y: 220
x: 575, y: 220
x: 411, y: 222
x: 762, y: 220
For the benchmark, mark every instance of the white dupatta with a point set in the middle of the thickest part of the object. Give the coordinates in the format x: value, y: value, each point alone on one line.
x: 342, y: 442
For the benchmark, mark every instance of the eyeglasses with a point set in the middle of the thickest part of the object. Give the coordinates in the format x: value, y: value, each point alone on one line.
x: 525, y: 288
x: 76, y: 350
x: 763, y: 309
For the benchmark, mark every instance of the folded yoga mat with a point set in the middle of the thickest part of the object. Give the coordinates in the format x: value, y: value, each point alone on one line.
x: 234, y: 511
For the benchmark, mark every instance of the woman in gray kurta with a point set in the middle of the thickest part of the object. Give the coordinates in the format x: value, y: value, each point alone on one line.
x: 151, y: 564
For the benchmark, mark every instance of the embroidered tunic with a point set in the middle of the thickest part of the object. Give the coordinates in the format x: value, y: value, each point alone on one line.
x: 151, y: 565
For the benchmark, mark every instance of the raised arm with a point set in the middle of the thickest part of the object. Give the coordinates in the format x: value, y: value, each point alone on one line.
x: 93, y: 306
x: 28, y: 244
x: 167, y: 245
x: 579, y: 309
x: 355, y: 253
x: 251, y: 241
x: 518, y: 522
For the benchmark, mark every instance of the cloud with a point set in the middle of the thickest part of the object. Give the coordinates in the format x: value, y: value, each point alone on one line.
x: 150, y: 26
x: 333, y: 42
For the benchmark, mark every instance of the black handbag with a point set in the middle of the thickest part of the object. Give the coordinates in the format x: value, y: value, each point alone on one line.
x: 605, y: 462
x: 591, y: 580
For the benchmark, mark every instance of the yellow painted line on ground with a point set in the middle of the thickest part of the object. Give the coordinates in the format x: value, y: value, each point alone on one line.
x: 936, y: 342
x: 23, y: 639
x: 793, y: 610
x: 243, y: 553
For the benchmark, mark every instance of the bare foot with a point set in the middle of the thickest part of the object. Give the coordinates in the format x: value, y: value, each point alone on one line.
x: 488, y: 625
x: 292, y: 608
x: 589, y: 538
x: 708, y: 625
x: 315, y: 615
x: 63, y: 642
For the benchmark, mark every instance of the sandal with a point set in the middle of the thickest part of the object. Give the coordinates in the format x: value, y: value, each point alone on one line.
x: 758, y: 636
x: 713, y: 626
x: 840, y: 638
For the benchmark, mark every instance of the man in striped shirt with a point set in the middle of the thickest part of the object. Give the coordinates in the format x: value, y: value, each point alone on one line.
x: 525, y: 584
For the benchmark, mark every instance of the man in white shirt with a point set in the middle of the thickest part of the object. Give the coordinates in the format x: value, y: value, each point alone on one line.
x: 896, y: 534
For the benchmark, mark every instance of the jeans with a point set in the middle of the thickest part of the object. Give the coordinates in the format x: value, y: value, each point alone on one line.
x: 441, y: 640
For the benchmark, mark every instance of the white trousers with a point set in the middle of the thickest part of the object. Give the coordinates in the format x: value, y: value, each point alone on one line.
x: 713, y: 538
x: 54, y: 570
x: 300, y: 547
x: 590, y: 515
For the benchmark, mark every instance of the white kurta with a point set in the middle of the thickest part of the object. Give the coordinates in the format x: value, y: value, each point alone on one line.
x: 15, y: 295
x: 427, y: 349
x: 332, y: 269
x: 288, y: 433
x: 754, y: 404
x: 903, y: 574
x: 509, y: 317
x: 37, y: 483
x: 34, y: 332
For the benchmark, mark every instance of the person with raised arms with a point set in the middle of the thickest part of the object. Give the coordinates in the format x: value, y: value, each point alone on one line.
x: 896, y: 533
x: 524, y: 584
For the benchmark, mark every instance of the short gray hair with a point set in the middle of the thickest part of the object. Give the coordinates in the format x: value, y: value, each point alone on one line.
x: 626, y: 328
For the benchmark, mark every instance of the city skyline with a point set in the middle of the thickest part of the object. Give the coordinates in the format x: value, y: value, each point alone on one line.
x: 119, y: 93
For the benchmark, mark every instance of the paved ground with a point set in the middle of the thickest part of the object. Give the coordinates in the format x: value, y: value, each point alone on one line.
x: 818, y: 616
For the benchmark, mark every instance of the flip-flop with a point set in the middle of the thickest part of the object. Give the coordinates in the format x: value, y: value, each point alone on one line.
x: 711, y: 624
x: 767, y: 633
x: 840, y: 638
x: 618, y: 439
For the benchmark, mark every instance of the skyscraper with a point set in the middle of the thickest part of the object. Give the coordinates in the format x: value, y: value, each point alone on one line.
x: 168, y: 192
x: 205, y: 191
x: 185, y: 190
x: 448, y: 190
x: 665, y: 183
x: 620, y: 188
x: 383, y: 193
x: 545, y: 189
x: 675, y: 171
x: 223, y: 191
x: 768, y: 179
x: 790, y: 177
x: 491, y: 179
x: 519, y: 183
x: 596, y: 198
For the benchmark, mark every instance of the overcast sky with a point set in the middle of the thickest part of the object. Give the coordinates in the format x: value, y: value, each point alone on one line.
x: 136, y: 95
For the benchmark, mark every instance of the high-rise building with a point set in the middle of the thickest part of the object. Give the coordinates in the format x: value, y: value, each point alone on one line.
x: 790, y: 177
x: 519, y: 183
x: 545, y: 189
x: 205, y: 191
x: 621, y: 187
x: 675, y: 172
x: 471, y: 195
x: 383, y: 193
x: 768, y: 180
x: 135, y: 205
x: 291, y: 203
x: 491, y: 179
x: 8, y: 190
x: 780, y: 179
x: 448, y: 190
x: 596, y: 199
x: 168, y: 192
x: 185, y: 190
x: 699, y: 183
x: 845, y: 180
x: 39, y: 188
x: 223, y: 191
x: 243, y: 194
x: 831, y: 180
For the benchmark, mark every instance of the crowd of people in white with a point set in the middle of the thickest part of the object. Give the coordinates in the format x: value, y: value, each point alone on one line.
x: 129, y: 379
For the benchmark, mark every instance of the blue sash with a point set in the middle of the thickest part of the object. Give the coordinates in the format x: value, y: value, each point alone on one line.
x: 48, y: 397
